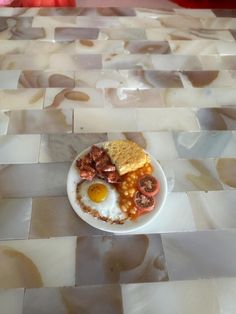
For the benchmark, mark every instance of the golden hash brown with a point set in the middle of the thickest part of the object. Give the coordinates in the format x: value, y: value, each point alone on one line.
x: 126, y: 155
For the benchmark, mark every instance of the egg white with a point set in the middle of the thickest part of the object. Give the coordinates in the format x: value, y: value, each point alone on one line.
x: 109, y: 208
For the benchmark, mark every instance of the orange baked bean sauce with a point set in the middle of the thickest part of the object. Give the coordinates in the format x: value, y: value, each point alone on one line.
x: 128, y: 187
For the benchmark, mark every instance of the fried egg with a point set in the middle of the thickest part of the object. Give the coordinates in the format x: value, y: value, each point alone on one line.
x: 100, y: 199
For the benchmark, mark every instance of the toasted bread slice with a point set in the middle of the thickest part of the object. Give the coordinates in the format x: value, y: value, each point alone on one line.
x: 126, y: 155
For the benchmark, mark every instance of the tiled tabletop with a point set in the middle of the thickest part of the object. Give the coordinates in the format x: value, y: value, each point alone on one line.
x: 165, y: 79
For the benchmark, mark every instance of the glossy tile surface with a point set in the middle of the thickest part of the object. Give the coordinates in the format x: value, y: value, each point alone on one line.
x: 156, y: 74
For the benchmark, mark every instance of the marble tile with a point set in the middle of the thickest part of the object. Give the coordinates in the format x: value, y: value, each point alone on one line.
x: 72, y: 33
x: 15, y: 215
x: 12, y: 99
x: 11, y: 301
x: 216, y: 118
x: 198, y: 97
x: 122, y: 33
x: 162, y: 119
x: 9, y: 79
x: 26, y: 33
x: 63, y: 62
x: 101, y: 78
x: 195, y: 175
x: 88, y: 46
x: 122, y: 62
x: 219, y: 23
x: 225, y: 288
x: 44, y: 79
x: 55, y: 21
x: 98, y: 21
x: 54, y: 217
x: 205, y: 144
x: 159, y: 144
x: 19, y: 149
x: 142, y: 79
x: 18, y: 11
x: 175, y: 62
x: 194, y: 47
x: 126, y: 98
x: 225, y: 168
x: 188, y: 97
x: 183, y: 297
x: 233, y: 76
x: 138, y: 22
x: 147, y: 46
x: 195, y: 12
x: 109, y: 120
x: 34, y: 46
x: 24, y: 62
x: 37, y: 263
x: 76, y: 21
x: 13, y: 46
x: 228, y: 62
x: 92, y: 299
x: 182, y: 34
x: 212, y: 62
x: 151, y: 79
x: 175, y: 216
x: 73, y: 98
x: 116, y: 263
x: 35, y: 180
x: 213, y: 210
x: 4, y: 122
x: 224, y: 12
x: 233, y: 32
x: 65, y: 147
x: 204, y: 254
x: 180, y: 21
x: 40, y: 121
x: 8, y: 21
x: 202, y: 47
x: 104, y: 11
x: 214, y: 79
x: 226, y: 48
x: 154, y: 13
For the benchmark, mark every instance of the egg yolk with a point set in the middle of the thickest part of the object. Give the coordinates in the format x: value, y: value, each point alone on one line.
x: 97, y: 192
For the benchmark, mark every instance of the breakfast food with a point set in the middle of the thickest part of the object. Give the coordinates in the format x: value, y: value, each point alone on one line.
x: 126, y: 155
x: 101, y: 200
x: 117, y: 182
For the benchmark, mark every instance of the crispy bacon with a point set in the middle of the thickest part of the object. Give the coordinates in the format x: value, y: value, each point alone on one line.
x: 97, y: 163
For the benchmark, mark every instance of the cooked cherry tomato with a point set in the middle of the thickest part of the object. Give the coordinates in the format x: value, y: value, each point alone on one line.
x: 148, y: 185
x: 143, y: 203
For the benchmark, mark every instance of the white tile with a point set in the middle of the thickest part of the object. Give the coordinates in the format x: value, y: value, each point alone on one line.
x: 53, y: 258
x: 170, y: 298
x: 11, y: 301
x: 226, y: 291
x: 73, y: 98
x: 19, y: 148
x: 9, y: 79
x: 175, y: 216
x: 31, y: 180
x: 201, y: 254
x: 4, y: 121
x: 104, y: 120
x: 15, y: 215
x: 65, y: 147
x: 163, y: 119
x: 28, y: 98
x: 214, y: 210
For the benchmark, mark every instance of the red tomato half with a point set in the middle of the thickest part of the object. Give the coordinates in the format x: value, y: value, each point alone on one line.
x: 143, y: 203
x: 148, y: 185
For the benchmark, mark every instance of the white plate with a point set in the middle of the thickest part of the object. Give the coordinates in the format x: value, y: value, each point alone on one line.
x: 129, y: 225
